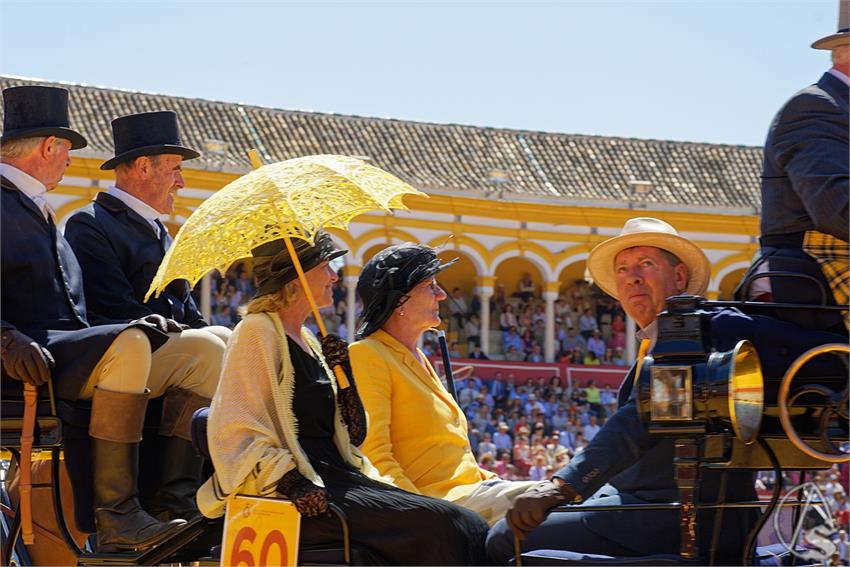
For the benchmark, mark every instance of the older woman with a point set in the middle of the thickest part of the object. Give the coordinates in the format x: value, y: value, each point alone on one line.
x: 417, y: 432
x: 281, y: 426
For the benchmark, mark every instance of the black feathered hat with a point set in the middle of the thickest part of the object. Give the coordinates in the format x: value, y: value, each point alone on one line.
x: 389, y: 276
x: 273, y: 266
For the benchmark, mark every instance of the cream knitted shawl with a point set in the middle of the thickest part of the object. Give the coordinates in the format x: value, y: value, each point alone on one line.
x: 252, y: 431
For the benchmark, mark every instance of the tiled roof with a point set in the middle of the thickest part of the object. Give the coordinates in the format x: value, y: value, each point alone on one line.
x: 443, y: 157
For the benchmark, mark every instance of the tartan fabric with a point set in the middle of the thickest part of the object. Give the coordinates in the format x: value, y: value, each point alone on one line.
x: 832, y: 255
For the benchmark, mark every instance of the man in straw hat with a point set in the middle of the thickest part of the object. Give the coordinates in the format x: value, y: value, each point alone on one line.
x: 805, y: 188
x: 47, y: 331
x: 120, y: 242
x: 643, y: 266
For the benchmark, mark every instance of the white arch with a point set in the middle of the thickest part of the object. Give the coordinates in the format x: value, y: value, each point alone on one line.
x: 535, y: 259
x: 357, y: 255
x: 568, y: 261
x: 714, y: 284
x: 472, y: 253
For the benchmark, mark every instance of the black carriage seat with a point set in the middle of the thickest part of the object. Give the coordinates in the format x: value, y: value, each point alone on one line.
x: 345, y: 555
x: 776, y: 554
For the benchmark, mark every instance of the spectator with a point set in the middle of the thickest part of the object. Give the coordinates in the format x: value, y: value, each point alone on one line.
x: 454, y: 350
x: 618, y: 332
x: 486, y: 446
x: 477, y: 354
x: 507, y: 319
x: 526, y: 288
x: 457, y: 307
x: 472, y: 330
x: 619, y: 357
x: 587, y: 323
x: 514, y: 355
x: 486, y: 462
x: 222, y: 316
x: 511, y: 339
x: 535, y: 355
x: 590, y: 359
x: 575, y: 341
x: 591, y: 429
x: 596, y: 345
x: 540, y: 468
x: 502, y: 439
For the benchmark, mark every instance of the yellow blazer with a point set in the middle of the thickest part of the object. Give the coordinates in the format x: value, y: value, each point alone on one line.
x: 417, y: 433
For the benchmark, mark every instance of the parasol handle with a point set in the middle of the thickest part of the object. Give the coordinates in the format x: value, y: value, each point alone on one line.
x: 341, y: 378
x: 27, y: 437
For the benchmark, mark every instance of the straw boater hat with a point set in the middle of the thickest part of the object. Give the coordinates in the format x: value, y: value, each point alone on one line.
x: 645, y: 231
x: 840, y: 37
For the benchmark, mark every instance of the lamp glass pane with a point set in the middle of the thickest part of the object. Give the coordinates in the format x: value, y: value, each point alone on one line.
x: 671, y: 394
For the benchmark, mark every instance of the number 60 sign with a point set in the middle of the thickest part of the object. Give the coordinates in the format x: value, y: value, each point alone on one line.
x: 260, y: 532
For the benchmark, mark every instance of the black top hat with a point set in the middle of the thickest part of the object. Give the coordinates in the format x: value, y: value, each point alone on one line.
x: 33, y: 111
x: 274, y: 268
x: 146, y: 134
x: 389, y: 276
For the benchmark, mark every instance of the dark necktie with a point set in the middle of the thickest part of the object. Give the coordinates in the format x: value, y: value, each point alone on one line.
x: 163, y: 235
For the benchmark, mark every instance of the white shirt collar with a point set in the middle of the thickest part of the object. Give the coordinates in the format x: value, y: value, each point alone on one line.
x: 840, y: 76
x: 140, y: 207
x: 28, y: 184
x: 649, y: 332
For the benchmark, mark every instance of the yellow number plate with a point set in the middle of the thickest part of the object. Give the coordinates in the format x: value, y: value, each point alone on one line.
x: 260, y: 532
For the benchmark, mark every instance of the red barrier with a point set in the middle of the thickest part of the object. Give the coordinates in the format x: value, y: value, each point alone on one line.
x: 571, y: 374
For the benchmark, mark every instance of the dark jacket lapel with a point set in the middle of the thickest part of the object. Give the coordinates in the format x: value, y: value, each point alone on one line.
x: 23, y: 198
x: 836, y: 87
x: 118, y: 207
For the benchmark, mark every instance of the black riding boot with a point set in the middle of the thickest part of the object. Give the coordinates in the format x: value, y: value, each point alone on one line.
x: 181, y: 468
x: 115, y: 428
x: 180, y: 471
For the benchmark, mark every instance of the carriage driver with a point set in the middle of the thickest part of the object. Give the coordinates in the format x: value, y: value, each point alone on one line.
x: 46, y: 330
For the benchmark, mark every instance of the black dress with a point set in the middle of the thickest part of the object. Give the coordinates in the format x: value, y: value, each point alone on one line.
x: 400, y: 528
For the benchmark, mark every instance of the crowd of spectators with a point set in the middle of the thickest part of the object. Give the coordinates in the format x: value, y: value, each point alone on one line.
x: 590, y: 327
x: 531, y: 430
x: 233, y: 291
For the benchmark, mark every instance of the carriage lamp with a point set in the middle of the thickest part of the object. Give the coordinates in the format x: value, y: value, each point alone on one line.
x: 684, y: 388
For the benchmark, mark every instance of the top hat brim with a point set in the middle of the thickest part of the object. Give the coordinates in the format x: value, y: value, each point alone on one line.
x: 832, y: 41
x: 77, y: 140
x: 158, y: 149
x: 600, y: 261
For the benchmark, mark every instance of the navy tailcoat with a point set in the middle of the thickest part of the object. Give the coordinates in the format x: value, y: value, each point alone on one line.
x: 41, y: 291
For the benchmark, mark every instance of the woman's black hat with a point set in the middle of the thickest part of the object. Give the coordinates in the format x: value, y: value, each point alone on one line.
x: 389, y: 276
x: 273, y: 266
x: 147, y: 134
x: 31, y: 111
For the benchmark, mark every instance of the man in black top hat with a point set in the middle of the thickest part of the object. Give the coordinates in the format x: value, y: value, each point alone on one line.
x: 120, y: 242
x: 805, y: 188
x: 47, y: 331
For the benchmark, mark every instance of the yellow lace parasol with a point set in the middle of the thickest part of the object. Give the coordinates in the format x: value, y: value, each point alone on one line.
x: 292, y: 198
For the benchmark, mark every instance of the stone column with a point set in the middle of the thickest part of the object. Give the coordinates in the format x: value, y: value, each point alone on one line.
x: 550, y: 295
x: 349, y: 278
x: 484, y: 290
x: 206, y: 297
x: 631, y: 344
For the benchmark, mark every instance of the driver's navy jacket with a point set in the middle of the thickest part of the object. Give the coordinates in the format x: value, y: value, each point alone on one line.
x: 640, y: 466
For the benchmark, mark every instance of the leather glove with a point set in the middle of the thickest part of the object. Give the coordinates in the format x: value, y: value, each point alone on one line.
x: 158, y: 321
x: 24, y: 359
x: 530, y: 509
x: 310, y: 500
x: 335, y: 351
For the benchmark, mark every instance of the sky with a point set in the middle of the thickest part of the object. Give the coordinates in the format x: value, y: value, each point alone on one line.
x: 704, y: 71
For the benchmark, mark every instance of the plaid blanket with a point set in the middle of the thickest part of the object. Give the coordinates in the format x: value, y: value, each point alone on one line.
x: 832, y: 255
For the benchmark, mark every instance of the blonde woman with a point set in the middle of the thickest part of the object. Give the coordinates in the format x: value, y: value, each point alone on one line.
x: 280, y: 426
